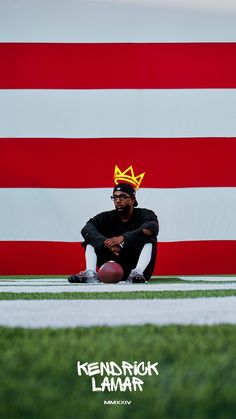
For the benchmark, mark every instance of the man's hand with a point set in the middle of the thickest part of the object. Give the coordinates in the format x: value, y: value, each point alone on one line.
x: 113, y: 244
x: 114, y: 241
x: 116, y: 250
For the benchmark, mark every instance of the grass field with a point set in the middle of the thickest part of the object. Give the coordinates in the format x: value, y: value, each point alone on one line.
x: 116, y: 295
x: 196, y: 374
x: 196, y: 378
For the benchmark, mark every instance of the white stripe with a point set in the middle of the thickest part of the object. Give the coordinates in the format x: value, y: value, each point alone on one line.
x: 118, y: 113
x: 212, y: 5
x: 73, y: 313
x: 93, y: 21
x: 55, y: 286
x: 59, y: 214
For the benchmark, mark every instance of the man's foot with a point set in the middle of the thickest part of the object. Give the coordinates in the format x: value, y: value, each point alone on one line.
x: 135, y: 277
x: 84, y: 277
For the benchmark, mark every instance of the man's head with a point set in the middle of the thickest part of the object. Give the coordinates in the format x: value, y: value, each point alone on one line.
x: 124, y: 197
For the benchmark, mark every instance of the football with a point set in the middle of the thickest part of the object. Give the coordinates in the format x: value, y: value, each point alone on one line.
x: 110, y: 272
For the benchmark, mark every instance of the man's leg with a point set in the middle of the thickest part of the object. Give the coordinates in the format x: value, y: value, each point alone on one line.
x: 139, y: 273
x: 90, y: 258
x: 144, y: 258
x: 89, y: 275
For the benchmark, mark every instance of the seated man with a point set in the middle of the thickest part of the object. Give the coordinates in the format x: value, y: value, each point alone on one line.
x: 126, y: 235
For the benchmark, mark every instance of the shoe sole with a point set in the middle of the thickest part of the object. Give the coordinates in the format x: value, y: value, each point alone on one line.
x: 85, y: 283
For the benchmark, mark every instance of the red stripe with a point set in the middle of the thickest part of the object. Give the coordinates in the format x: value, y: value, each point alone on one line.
x: 86, y: 163
x: 117, y: 66
x: 177, y: 258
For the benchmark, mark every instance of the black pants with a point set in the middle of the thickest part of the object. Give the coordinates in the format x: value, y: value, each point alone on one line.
x: 128, y: 259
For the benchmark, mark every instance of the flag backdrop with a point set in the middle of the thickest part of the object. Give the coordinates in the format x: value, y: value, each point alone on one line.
x: 86, y: 85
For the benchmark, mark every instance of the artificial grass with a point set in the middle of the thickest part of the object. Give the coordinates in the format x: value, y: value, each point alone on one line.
x: 125, y: 295
x: 196, y: 378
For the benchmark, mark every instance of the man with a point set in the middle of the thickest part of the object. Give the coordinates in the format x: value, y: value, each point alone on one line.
x: 126, y: 235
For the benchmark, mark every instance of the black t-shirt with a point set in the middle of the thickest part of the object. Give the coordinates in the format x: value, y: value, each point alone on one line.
x: 109, y: 224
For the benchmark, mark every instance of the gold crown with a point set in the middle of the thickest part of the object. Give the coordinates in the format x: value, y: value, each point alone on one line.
x: 128, y: 176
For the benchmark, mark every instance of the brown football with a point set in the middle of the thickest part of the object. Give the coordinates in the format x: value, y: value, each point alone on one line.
x: 110, y: 272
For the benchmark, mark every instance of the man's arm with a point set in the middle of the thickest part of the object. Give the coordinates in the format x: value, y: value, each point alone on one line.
x: 91, y: 234
x: 148, y: 229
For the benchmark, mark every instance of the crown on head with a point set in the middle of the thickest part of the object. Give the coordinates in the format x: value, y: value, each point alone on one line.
x: 128, y: 176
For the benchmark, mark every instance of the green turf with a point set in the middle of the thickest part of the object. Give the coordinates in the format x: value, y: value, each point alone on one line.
x: 115, y: 295
x: 196, y: 378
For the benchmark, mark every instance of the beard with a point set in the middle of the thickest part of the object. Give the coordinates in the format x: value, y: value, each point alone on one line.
x: 123, y: 210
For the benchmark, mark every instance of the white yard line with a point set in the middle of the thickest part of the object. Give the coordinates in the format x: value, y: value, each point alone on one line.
x: 208, y: 278
x: 73, y: 313
x: 55, y: 286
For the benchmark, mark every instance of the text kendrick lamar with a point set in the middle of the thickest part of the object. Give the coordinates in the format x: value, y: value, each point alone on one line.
x: 123, y: 377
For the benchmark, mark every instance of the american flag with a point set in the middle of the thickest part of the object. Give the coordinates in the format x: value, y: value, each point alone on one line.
x: 87, y: 85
